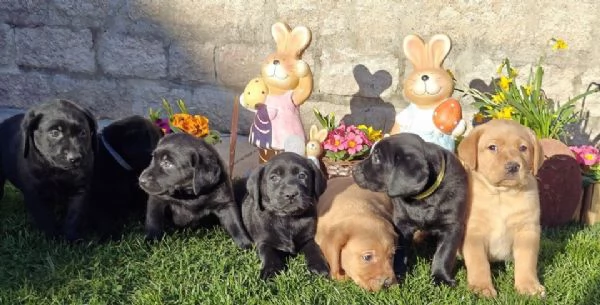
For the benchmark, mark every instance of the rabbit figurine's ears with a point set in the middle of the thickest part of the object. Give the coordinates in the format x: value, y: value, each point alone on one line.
x: 427, y: 55
x: 291, y: 41
x: 317, y: 135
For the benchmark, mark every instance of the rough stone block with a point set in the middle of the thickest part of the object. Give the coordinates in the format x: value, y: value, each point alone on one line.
x: 237, y: 64
x: 7, y: 45
x: 347, y: 72
x: 79, y: 13
x: 190, y: 61
x: 55, y: 48
x: 217, y: 104
x: 144, y: 94
x: 24, y: 12
x: 101, y: 96
x: 123, y: 55
x: 24, y: 90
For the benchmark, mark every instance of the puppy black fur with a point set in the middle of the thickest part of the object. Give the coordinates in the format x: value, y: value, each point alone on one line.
x: 187, y: 177
x: 405, y: 166
x: 48, y: 154
x: 279, y: 212
x: 116, y: 194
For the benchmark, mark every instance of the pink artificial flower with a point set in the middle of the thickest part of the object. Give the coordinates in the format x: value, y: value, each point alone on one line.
x: 354, y: 142
x: 334, y: 142
x: 586, y: 154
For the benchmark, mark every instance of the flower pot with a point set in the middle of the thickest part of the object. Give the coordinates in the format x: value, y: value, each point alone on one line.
x: 338, y: 168
x: 590, y: 204
x: 559, y: 183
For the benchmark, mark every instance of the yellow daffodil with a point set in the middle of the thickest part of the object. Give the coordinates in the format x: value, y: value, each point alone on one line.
x: 372, y: 134
x: 559, y: 44
x: 504, y: 82
x: 504, y: 114
x: 498, y: 98
x: 527, y: 89
x: 513, y: 73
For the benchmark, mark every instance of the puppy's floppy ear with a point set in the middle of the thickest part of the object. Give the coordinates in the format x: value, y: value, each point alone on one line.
x: 253, y: 185
x: 320, y: 181
x: 334, y: 241
x: 537, y: 157
x: 207, y: 172
x: 30, y: 123
x: 467, y: 149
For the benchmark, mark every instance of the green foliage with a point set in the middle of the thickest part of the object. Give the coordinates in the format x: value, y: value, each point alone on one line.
x: 326, y: 121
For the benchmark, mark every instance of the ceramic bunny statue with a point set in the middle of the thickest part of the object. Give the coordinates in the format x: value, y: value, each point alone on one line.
x: 314, y: 146
x: 285, y: 83
x: 432, y: 114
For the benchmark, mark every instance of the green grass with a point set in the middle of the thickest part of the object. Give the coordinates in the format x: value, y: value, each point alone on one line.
x: 204, y: 267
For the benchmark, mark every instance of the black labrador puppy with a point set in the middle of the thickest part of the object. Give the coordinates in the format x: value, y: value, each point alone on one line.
x: 428, y: 186
x: 280, y: 213
x: 124, y: 150
x: 188, y: 179
x: 48, y: 154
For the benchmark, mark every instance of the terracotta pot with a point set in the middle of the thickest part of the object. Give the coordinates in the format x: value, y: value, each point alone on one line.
x: 560, y: 184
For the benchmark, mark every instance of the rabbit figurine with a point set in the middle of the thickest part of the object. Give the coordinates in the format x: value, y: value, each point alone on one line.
x: 314, y: 146
x: 432, y: 114
x: 288, y: 82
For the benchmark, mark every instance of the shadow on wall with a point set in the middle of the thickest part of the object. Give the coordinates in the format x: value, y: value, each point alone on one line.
x: 366, y: 106
x: 578, y: 133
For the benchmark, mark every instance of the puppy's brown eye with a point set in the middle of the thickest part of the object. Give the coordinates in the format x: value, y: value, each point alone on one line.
x: 55, y: 133
x: 522, y: 148
x: 367, y: 257
x: 493, y: 147
x: 82, y: 133
x: 302, y: 176
x: 166, y: 164
x: 274, y: 178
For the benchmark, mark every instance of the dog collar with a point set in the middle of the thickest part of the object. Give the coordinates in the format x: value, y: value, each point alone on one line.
x: 435, y: 184
x: 115, y: 154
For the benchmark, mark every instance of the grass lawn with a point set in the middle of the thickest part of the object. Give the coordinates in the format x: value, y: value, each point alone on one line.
x: 205, y: 267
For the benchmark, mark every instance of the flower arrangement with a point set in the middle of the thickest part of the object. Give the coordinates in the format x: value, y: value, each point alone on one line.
x: 346, y: 142
x: 588, y: 158
x: 527, y: 103
x: 183, y: 121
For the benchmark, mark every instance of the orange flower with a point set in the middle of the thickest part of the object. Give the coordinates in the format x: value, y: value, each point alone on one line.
x: 195, y: 125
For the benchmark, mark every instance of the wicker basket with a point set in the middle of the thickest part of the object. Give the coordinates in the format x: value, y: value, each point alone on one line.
x: 338, y: 168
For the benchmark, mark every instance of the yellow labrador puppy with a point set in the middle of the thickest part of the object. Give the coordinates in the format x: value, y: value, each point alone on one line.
x: 356, y: 234
x: 503, y: 221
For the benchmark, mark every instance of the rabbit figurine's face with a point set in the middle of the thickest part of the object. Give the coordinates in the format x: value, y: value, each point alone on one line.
x: 428, y: 86
x: 429, y: 83
x: 283, y: 71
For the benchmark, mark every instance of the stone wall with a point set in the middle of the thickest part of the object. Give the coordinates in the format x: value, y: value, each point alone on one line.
x: 121, y: 57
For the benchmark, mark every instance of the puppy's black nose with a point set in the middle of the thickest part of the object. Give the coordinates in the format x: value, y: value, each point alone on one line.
x: 276, y: 62
x: 425, y: 78
x: 73, y: 158
x: 291, y: 196
x: 512, y: 167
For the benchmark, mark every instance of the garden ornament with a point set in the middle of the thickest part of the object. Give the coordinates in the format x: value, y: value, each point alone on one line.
x: 432, y: 114
x: 285, y: 83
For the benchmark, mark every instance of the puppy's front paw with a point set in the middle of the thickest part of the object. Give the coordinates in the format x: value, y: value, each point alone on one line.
x: 319, y: 267
x: 439, y: 280
x: 484, y: 289
x: 268, y: 272
x: 152, y: 236
x: 530, y: 287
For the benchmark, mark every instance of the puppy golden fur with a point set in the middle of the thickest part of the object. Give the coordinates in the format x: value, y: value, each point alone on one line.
x: 356, y: 234
x: 503, y: 222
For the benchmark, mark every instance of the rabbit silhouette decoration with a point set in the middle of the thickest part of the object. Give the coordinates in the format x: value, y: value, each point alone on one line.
x: 284, y: 84
x: 432, y: 114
